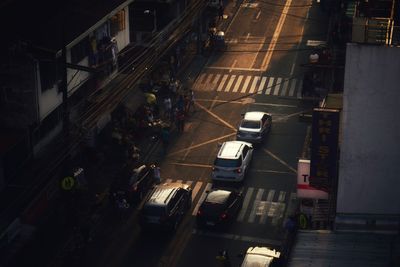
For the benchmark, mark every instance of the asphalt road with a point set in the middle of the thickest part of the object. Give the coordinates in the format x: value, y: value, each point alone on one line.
x: 260, y: 70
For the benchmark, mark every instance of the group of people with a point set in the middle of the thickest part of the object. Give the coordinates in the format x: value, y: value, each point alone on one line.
x: 173, y: 104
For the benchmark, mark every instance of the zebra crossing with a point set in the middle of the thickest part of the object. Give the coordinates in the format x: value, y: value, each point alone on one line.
x: 249, y: 84
x: 260, y: 206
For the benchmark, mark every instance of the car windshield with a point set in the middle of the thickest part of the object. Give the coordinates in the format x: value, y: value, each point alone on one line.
x: 154, y: 211
x: 136, y: 174
x: 227, y: 162
x: 250, y: 124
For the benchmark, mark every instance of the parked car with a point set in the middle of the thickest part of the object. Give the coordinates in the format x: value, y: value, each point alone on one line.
x: 254, y: 126
x: 232, y: 161
x: 133, y: 183
x: 219, y: 207
x: 260, y: 256
x: 166, y: 205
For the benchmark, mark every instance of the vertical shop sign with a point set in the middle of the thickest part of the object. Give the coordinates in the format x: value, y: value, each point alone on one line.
x: 324, y: 148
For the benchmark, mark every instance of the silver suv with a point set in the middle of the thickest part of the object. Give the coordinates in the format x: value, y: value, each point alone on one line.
x: 232, y: 161
x: 254, y: 126
x: 166, y: 205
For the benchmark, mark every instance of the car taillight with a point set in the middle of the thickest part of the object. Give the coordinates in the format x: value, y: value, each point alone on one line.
x: 223, y: 216
x: 238, y: 170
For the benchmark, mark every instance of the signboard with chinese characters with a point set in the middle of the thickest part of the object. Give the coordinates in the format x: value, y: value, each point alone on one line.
x: 304, y: 190
x: 324, y: 148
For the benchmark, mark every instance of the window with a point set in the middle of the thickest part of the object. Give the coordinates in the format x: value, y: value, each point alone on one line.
x: 230, y: 163
x: 117, y: 23
x: 245, y: 150
x: 250, y: 124
x: 80, y: 51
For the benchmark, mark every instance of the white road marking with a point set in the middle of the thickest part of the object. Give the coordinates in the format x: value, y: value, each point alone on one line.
x: 209, y: 77
x: 200, y: 79
x: 280, y: 160
x: 246, y: 83
x: 255, y: 240
x: 292, y: 87
x: 187, y: 152
x: 267, y: 204
x: 246, y: 202
x: 202, y: 197
x: 301, y: 89
x: 191, y: 164
x: 271, y: 171
x: 277, y: 86
x: 216, y: 116
x: 237, y: 84
x: 269, y: 86
x: 258, y: 15
x: 196, y: 190
x: 275, y: 37
x: 233, y: 65
x: 261, y: 86
x: 216, y: 78
x: 282, y: 196
x: 298, y: 46
x: 221, y: 85
x: 254, y: 84
x: 202, y: 144
x: 231, y: 68
x: 240, y: 102
x: 285, y: 87
x: 231, y: 80
x: 293, y: 65
x: 255, y: 206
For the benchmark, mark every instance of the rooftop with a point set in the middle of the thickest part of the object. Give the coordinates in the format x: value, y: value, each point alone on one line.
x: 41, y: 22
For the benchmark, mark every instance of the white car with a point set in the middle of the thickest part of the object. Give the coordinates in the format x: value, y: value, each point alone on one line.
x: 254, y: 126
x: 260, y: 256
x: 232, y: 161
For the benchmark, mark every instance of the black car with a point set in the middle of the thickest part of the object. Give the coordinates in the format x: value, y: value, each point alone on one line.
x: 133, y: 183
x: 219, y: 207
x: 166, y: 206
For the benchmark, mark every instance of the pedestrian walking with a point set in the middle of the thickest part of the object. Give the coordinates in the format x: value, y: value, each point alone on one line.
x: 157, y: 173
x: 223, y: 259
x: 221, y: 11
x: 180, y: 120
x: 165, y: 136
x: 167, y: 108
x: 180, y: 104
x: 189, y: 101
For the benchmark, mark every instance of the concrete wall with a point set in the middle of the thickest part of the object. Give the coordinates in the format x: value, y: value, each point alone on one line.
x: 369, y: 173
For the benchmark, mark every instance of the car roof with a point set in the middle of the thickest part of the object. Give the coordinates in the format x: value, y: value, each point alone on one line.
x: 254, y: 115
x: 163, y: 192
x: 217, y: 196
x: 230, y: 149
x: 259, y: 256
